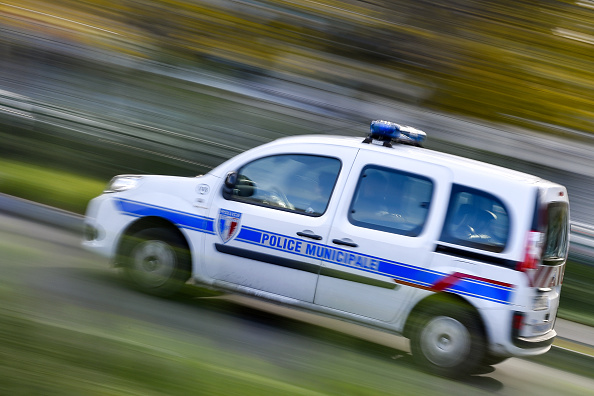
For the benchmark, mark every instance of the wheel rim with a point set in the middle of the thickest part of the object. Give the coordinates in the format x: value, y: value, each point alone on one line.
x: 445, y: 342
x: 153, y: 263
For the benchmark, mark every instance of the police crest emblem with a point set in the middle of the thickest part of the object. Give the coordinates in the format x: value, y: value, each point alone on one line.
x: 228, y: 223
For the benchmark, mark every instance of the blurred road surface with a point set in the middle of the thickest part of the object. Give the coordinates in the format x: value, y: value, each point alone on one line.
x: 49, y: 272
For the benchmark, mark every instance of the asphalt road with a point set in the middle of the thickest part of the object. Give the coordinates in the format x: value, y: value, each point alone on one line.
x: 51, y: 271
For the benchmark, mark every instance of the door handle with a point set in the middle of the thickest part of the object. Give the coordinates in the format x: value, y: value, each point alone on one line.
x: 309, y: 234
x: 345, y: 242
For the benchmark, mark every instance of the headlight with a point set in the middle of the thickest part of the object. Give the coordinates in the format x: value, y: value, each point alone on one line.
x: 122, y: 183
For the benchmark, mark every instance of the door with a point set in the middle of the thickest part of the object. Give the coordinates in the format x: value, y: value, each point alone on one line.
x: 269, y: 224
x: 382, y: 235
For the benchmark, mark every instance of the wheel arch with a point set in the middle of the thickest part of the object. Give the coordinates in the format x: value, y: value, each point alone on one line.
x: 144, y: 223
x: 439, y: 299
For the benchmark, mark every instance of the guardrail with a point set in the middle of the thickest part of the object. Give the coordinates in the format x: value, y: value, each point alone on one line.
x: 581, y: 246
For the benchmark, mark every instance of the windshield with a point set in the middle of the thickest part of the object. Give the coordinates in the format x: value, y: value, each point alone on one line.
x: 556, y: 234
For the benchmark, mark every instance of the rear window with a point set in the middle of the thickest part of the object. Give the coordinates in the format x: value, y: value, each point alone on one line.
x: 476, y: 219
x: 556, y: 233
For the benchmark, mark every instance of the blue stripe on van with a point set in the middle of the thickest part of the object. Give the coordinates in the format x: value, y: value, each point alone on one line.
x: 400, y: 272
x: 179, y: 218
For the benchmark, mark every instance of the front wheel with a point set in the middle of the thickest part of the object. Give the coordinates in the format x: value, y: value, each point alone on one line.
x: 156, y: 261
x: 447, y: 340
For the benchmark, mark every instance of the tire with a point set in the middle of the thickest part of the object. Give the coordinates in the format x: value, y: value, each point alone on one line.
x: 156, y: 261
x: 447, y: 340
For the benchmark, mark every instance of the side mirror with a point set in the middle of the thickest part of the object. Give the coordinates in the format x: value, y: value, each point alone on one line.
x: 230, y: 181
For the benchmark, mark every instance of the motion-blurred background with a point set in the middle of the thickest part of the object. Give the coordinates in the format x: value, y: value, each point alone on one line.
x: 94, y: 88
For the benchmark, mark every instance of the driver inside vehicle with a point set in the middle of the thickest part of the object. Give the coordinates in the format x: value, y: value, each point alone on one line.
x: 277, y: 197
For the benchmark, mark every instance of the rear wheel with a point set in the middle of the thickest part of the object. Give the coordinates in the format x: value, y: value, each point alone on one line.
x: 447, y: 340
x: 156, y: 261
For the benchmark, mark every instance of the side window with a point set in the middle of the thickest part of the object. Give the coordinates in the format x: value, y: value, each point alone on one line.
x: 293, y: 182
x: 391, y: 200
x: 476, y: 219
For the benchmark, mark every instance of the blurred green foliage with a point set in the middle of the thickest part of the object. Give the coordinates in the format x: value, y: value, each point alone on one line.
x: 62, y: 189
x: 523, y: 62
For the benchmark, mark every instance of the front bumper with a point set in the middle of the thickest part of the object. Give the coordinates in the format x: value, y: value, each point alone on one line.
x: 104, y: 224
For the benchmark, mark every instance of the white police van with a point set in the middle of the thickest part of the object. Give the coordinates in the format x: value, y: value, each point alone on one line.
x: 464, y: 258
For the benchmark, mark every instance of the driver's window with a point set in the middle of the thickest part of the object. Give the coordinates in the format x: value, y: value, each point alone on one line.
x: 292, y: 182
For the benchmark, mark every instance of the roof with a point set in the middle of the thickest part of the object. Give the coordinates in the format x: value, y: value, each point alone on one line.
x: 454, y: 162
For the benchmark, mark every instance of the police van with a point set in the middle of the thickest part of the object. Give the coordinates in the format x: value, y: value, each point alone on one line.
x: 465, y: 259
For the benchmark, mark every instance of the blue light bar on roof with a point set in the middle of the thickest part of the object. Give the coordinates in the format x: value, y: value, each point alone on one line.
x: 388, y: 132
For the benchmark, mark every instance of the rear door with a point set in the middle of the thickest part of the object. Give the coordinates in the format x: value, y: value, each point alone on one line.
x: 552, y: 223
x: 382, y: 235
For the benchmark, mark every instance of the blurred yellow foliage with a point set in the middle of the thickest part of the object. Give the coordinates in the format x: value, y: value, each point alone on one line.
x: 519, y: 62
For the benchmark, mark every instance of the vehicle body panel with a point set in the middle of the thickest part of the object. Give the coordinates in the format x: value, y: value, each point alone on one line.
x: 367, y: 273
